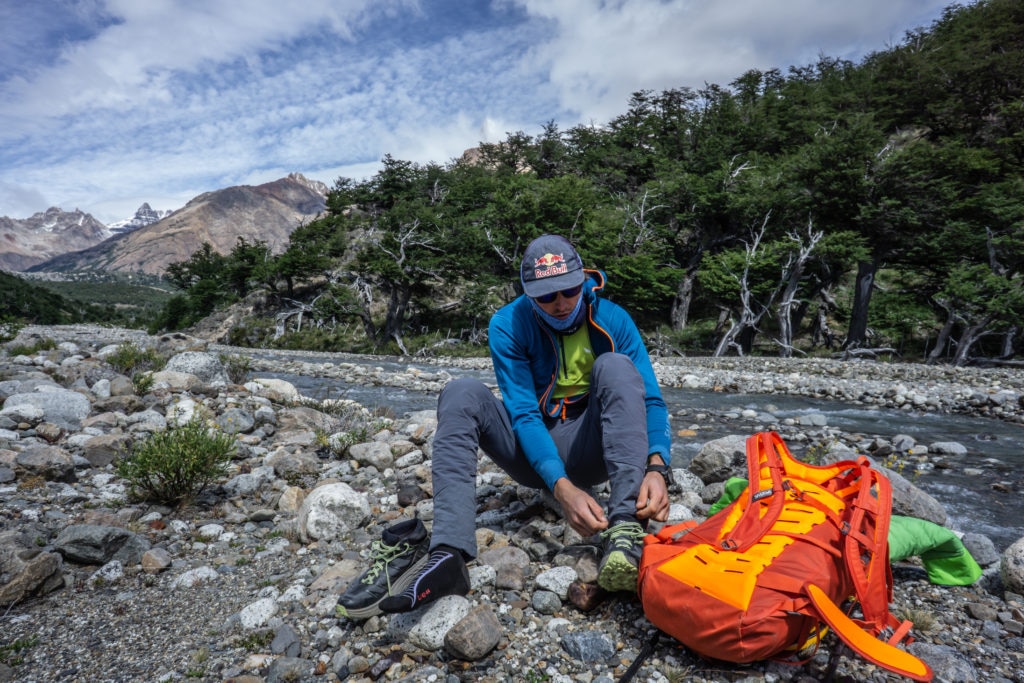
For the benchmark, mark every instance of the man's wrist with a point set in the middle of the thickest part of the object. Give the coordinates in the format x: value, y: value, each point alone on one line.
x: 655, y: 459
x: 664, y: 470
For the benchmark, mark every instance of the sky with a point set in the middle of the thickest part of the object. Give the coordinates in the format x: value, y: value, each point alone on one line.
x: 106, y: 104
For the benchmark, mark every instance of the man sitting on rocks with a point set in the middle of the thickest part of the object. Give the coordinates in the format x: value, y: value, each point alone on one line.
x: 580, y: 406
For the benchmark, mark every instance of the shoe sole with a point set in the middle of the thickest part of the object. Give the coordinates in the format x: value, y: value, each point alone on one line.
x: 618, y: 573
x: 373, y: 609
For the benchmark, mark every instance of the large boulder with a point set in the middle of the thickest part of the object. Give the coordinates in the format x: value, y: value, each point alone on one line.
x: 99, y: 544
x: 720, y: 459
x: 103, y: 449
x: 206, y: 366
x: 910, y: 501
x: 26, y: 571
x: 1011, y: 567
x: 277, y: 390
x: 330, y: 511
x: 62, y: 407
x: 52, y: 463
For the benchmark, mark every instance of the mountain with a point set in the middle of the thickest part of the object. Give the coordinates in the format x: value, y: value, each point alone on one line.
x: 145, y: 215
x: 30, y: 241
x: 267, y: 213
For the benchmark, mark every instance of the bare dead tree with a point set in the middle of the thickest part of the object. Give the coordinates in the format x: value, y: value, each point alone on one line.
x: 635, y: 226
x: 748, y: 317
x: 973, y: 322
x: 401, y: 289
x: 734, y: 171
x: 509, y: 259
x: 437, y: 193
x: 792, y: 273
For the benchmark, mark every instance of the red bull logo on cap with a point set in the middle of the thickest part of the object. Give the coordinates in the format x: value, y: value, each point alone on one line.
x: 548, y: 265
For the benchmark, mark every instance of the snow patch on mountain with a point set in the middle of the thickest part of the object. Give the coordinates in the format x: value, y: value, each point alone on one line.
x: 145, y: 215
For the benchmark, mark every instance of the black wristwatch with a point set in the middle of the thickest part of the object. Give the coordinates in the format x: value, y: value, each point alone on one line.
x: 664, y: 470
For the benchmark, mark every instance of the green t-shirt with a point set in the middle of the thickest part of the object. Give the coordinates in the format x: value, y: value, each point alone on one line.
x: 577, y: 362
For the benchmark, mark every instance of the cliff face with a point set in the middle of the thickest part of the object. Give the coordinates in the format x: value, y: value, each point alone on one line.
x: 267, y: 212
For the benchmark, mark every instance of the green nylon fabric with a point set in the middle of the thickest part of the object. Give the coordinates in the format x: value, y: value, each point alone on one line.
x: 946, y: 561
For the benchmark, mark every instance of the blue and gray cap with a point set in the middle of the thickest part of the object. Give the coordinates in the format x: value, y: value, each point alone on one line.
x: 550, y: 264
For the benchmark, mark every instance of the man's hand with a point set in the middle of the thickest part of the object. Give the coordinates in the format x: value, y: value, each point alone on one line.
x: 652, y: 501
x: 582, y: 512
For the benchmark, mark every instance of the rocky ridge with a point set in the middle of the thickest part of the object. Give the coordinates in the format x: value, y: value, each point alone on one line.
x: 29, y: 241
x: 241, y: 585
x: 267, y: 213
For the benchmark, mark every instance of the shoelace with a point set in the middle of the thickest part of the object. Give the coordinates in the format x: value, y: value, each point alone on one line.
x: 624, y: 535
x: 383, y: 554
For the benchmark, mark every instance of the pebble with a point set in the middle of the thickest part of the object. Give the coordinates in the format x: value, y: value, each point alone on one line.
x: 241, y: 584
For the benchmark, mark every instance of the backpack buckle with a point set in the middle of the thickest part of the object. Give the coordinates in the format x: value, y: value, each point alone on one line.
x: 729, y: 544
x: 797, y: 494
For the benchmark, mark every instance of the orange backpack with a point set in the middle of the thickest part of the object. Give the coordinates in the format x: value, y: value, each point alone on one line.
x: 761, y: 578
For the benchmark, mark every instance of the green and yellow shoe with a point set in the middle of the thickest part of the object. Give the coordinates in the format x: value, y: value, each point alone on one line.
x: 623, y: 543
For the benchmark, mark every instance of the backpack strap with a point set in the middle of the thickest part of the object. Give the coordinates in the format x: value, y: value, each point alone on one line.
x: 765, y: 476
x: 883, y: 654
x: 866, y: 546
x: 646, y: 651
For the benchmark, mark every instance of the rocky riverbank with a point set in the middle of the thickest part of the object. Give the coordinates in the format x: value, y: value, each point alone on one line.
x: 241, y: 584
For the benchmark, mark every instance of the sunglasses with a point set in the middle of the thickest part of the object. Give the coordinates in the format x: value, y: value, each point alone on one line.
x: 566, y: 293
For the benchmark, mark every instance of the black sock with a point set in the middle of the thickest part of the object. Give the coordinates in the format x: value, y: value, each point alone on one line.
x: 444, y: 573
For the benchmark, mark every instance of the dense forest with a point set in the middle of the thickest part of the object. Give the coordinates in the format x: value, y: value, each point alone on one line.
x: 128, y: 300
x: 838, y: 208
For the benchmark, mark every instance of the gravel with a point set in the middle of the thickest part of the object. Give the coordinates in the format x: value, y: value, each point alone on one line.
x: 264, y: 609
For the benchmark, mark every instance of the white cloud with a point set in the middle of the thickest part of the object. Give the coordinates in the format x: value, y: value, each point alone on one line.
x: 118, y: 102
x: 599, y: 58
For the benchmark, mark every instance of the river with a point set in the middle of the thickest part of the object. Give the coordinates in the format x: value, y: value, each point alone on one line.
x: 981, y: 493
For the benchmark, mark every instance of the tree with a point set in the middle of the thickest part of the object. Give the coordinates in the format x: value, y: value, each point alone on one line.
x: 743, y: 281
x: 249, y: 265
x: 793, y: 270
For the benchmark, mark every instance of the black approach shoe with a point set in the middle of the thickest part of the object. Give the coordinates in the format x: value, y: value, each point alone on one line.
x: 396, y: 560
x: 444, y: 573
x: 623, y: 543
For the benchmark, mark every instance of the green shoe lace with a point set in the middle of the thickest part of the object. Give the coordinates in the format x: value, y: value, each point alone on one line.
x: 624, y: 535
x: 382, y: 554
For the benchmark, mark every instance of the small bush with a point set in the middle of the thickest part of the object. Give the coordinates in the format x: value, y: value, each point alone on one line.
x: 129, y: 357
x: 11, y: 653
x: 142, y: 383
x: 175, y: 465
x: 9, y: 328
x: 46, y: 344
x: 237, y: 367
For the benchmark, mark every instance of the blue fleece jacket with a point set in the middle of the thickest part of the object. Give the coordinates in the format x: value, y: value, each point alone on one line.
x: 527, y: 359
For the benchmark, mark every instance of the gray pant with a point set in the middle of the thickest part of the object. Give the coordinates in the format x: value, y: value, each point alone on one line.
x: 606, y: 441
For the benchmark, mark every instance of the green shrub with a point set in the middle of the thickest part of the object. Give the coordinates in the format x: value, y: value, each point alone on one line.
x: 9, y: 328
x: 142, y: 383
x: 237, y: 367
x: 129, y: 357
x: 11, y: 653
x: 46, y: 344
x: 175, y: 465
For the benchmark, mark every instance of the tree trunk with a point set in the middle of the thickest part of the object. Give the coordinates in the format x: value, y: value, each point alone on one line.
x: 821, y: 333
x: 1009, y: 342
x: 943, y: 339
x: 856, y: 335
x: 398, y: 304
x: 680, y: 313
x: 726, y: 342
x: 792, y: 274
x: 971, y: 335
